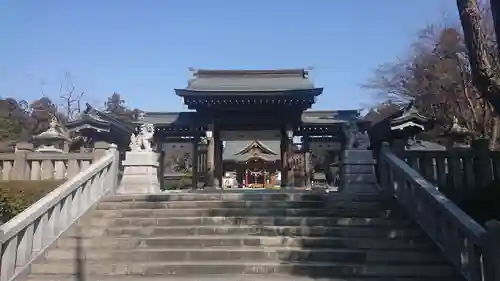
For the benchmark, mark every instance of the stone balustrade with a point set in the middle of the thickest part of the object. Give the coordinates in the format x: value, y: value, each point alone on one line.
x: 24, y: 164
x: 472, y: 249
x: 26, y: 236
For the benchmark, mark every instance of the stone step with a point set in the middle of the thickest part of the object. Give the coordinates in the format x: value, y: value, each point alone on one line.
x: 248, y: 255
x: 314, y: 231
x: 196, y: 242
x: 245, y: 196
x: 241, y: 212
x: 208, y: 204
x: 229, y: 277
x: 215, y: 204
x: 314, y: 269
x: 89, y: 221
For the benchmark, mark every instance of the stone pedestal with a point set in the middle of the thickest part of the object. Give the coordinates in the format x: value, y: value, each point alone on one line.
x: 140, y: 175
x: 358, y: 173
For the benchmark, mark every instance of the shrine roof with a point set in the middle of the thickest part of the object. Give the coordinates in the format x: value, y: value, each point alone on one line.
x: 328, y: 117
x: 93, y: 118
x: 236, y: 150
x: 222, y: 82
x: 188, y: 118
x: 185, y: 118
x: 409, y: 114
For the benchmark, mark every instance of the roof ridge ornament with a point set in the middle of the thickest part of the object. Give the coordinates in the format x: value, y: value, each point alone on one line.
x: 307, y: 72
x: 197, y: 72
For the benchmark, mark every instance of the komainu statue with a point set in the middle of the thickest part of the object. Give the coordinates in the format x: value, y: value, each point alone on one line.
x: 134, y: 143
x: 143, y: 140
x: 146, y: 137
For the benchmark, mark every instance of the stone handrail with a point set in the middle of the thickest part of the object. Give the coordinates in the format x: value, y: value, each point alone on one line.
x: 6, y: 165
x: 56, y: 166
x: 458, y: 172
x: 468, y: 246
x: 23, y: 165
x: 26, y: 236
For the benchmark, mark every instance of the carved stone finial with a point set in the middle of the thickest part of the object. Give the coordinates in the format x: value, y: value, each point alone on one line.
x: 456, y: 127
x: 54, y: 123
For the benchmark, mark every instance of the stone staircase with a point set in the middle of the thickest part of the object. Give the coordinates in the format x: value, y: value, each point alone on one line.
x: 244, y: 236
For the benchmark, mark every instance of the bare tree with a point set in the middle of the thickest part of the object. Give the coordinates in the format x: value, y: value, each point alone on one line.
x: 71, y: 99
x: 495, y: 12
x: 484, y: 76
x: 436, y: 75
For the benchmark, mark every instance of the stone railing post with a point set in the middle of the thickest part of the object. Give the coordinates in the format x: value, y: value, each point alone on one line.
x: 483, y: 171
x: 100, y: 148
x: 20, y: 170
x: 357, y: 174
x: 398, y: 147
x: 113, y: 149
x: 491, y: 247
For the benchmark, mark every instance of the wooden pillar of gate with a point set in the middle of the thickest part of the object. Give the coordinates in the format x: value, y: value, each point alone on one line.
x: 209, y: 177
x: 195, y: 162
x: 217, y: 158
x: 307, y: 160
x: 483, y: 171
x: 285, y: 149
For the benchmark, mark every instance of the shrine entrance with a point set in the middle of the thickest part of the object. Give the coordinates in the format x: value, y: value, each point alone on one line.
x: 257, y: 173
x: 267, y: 110
x: 252, y: 158
x: 242, y: 102
x: 254, y: 173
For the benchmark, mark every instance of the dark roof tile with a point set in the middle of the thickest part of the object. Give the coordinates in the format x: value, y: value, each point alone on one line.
x: 250, y: 80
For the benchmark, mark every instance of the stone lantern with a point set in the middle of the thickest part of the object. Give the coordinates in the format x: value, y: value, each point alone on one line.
x: 52, y: 139
x: 458, y: 136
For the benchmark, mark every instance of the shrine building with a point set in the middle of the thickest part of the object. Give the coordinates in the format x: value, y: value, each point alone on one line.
x: 256, y: 125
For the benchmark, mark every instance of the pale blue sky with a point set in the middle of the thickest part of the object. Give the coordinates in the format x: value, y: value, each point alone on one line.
x: 143, y: 48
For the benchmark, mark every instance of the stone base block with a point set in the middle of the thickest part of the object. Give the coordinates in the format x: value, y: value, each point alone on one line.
x: 140, y: 175
x: 353, y: 154
x: 360, y: 188
x: 141, y: 158
x: 359, y: 178
x: 358, y: 173
x: 357, y: 169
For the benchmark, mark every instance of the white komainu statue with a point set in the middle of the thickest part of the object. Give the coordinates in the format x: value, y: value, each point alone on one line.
x: 134, y: 145
x: 146, y: 137
x: 142, y: 142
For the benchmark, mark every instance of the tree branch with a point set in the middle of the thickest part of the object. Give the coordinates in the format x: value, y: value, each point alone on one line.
x: 483, y: 76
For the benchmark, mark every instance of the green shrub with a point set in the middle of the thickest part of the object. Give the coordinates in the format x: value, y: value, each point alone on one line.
x: 15, y: 196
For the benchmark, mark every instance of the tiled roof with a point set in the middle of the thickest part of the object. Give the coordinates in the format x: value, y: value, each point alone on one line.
x: 233, y: 148
x: 249, y: 80
x: 189, y: 118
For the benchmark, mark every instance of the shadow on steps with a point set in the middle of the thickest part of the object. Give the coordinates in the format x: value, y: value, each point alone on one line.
x: 79, y: 256
x: 309, y: 235
x: 365, y: 239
